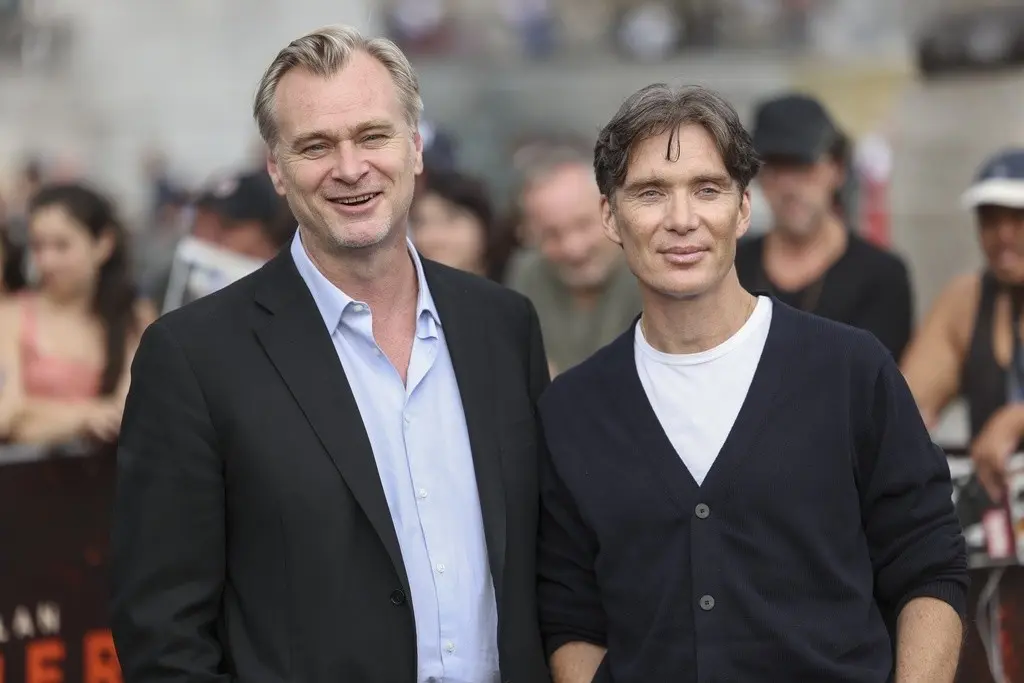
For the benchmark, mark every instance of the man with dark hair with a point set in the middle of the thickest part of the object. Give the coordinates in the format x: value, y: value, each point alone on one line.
x: 735, y: 490
x: 810, y: 259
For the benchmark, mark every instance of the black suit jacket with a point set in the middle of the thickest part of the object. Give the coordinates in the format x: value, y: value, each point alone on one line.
x: 252, y: 540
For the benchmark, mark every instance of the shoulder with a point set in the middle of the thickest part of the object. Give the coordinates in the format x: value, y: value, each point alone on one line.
x: 875, y: 260
x: 10, y: 310
x: 826, y: 347
x: 582, y: 385
x: 962, y: 292
x: 10, y: 320
x: 215, y: 315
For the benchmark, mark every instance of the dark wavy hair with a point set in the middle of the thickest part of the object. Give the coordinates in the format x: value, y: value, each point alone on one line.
x: 115, y: 297
x: 472, y: 194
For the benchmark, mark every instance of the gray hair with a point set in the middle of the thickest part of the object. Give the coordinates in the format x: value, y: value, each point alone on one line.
x: 324, y: 52
x: 660, y: 108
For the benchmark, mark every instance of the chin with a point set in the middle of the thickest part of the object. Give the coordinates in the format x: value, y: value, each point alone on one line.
x: 360, y: 235
x: 1013, y: 277
x: 684, y: 285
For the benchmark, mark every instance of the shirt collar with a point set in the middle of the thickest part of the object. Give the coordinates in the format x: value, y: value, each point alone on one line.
x: 332, y: 302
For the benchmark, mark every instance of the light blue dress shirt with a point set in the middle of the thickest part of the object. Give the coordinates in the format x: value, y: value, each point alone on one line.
x: 421, y: 445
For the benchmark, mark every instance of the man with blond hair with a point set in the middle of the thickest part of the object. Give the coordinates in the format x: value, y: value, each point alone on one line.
x: 328, y: 470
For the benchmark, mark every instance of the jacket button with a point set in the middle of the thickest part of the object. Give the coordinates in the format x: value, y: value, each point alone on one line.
x: 702, y: 511
x: 707, y: 603
x: 398, y: 597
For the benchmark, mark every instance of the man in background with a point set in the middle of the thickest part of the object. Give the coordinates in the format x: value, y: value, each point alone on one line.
x: 577, y: 278
x: 240, y: 215
x: 809, y: 258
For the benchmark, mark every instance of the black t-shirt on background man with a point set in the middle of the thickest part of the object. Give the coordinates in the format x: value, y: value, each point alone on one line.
x: 867, y: 287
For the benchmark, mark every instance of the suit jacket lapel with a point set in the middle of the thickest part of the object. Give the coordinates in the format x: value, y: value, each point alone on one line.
x: 469, y: 345
x: 300, y: 347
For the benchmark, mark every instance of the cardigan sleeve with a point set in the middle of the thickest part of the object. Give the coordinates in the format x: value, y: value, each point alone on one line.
x: 915, y: 538
x: 569, y: 600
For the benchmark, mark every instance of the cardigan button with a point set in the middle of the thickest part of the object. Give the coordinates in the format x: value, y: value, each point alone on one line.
x: 707, y: 603
x: 702, y: 511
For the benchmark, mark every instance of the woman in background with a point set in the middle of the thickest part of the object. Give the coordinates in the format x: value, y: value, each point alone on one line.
x: 452, y: 222
x: 66, y: 346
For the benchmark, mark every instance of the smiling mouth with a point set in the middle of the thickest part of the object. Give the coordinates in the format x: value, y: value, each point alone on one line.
x: 358, y: 200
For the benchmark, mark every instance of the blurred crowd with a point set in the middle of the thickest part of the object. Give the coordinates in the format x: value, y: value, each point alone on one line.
x: 79, y: 286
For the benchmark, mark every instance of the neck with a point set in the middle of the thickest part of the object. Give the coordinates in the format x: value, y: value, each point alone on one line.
x: 80, y: 303
x: 379, y: 276
x: 699, y: 323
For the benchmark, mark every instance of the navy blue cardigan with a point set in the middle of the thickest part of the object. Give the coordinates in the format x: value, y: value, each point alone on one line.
x: 827, y: 509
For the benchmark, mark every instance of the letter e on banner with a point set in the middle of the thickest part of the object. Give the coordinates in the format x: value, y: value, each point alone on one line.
x: 100, y: 658
x: 43, y: 659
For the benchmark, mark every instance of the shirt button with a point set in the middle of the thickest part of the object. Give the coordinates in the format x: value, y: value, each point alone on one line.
x: 421, y: 494
x: 702, y: 511
x: 440, y: 569
x: 707, y: 603
x: 449, y: 647
x: 359, y: 307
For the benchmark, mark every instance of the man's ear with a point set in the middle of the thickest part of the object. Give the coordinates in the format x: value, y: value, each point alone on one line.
x: 275, y: 172
x: 743, y: 223
x: 609, y: 222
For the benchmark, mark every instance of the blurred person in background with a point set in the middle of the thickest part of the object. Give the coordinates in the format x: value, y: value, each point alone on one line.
x: 254, y: 220
x: 12, y: 272
x: 970, y: 342
x: 452, y: 222
x: 66, y: 346
x: 809, y: 258
x: 242, y: 214
x: 27, y: 183
x: 576, y: 277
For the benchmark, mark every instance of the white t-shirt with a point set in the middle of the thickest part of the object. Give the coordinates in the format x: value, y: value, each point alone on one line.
x: 697, y: 396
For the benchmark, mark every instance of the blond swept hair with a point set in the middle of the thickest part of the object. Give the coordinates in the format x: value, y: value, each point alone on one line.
x: 325, y: 51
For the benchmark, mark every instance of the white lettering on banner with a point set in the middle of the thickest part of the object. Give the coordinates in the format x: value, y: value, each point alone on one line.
x: 21, y: 625
x: 48, y: 618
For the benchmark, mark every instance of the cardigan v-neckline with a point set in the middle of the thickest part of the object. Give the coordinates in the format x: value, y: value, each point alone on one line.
x: 653, y: 447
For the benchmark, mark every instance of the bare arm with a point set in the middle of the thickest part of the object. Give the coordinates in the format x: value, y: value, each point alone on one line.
x: 40, y: 421
x: 934, y: 359
x: 929, y: 634
x: 576, y: 663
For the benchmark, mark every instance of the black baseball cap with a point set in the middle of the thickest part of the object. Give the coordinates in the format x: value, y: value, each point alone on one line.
x: 248, y: 196
x: 795, y: 127
x: 999, y: 182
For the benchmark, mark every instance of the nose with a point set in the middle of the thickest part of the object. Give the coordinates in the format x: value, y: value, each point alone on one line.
x: 349, y: 166
x: 575, y: 247
x: 681, y: 215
